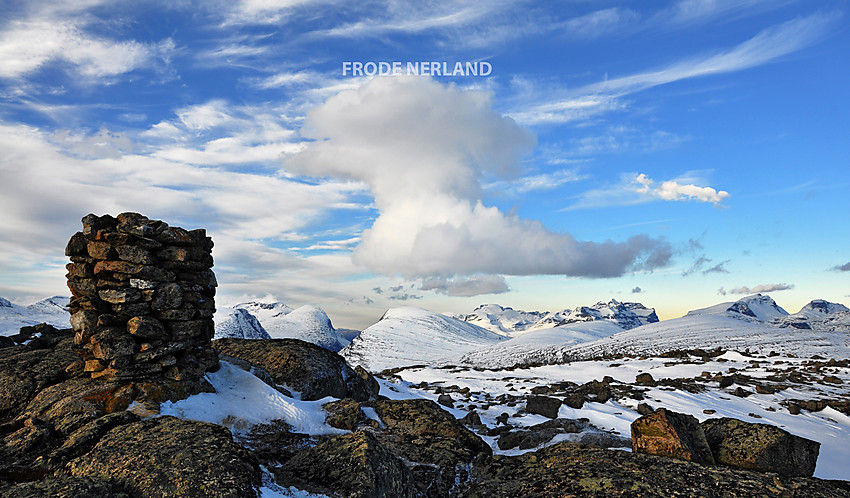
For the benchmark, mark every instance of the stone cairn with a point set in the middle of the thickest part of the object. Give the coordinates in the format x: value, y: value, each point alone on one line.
x: 143, y: 299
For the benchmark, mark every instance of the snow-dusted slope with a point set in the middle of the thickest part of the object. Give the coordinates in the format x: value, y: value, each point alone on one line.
x: 410, y: 336
x: 238, y: 323
x: 529, y: 346
x: 257, y: 320
x: 53, y: 310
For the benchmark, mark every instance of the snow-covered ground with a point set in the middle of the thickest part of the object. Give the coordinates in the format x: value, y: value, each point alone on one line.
x: 829, y: 427
x: 242, y: 400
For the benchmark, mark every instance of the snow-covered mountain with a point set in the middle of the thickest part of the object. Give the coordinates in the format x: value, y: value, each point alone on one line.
x: 513, y: 323
x: 817, y: 315
x: 238, y: 323
x: 410, y: 336
x: 753, y: 323
x: 625, y: 315
x: 562, y: 329
x: 53, y: 310
x: 501, y: 320
x: 755, y: 308
x: 258, y: 320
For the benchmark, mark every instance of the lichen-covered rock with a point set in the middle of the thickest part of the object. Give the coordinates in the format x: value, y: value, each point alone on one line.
x: 574, y: 469
x: 310, y: 369
x: 354, y: 465
x: 64, y: 487
x: 344, y: 414
x: 671, y: 434
x: 761, y: 447
x: 166, y: 456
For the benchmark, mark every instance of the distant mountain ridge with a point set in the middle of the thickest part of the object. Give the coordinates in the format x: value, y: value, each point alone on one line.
x: 52, y: 310
x: 512, y: 323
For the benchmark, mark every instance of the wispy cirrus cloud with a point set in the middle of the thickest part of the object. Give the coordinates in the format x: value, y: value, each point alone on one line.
x: 766, y: 46
x: 543, y: 181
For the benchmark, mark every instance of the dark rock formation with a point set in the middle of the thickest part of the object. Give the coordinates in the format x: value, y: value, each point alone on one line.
x: 543, y: 405
x: 761, y: 447
x: 310, y: 369
x: 671, y: 434
x: 143, y: 298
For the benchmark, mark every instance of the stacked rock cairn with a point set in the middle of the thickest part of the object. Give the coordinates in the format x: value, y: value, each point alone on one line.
x: 143, y: 299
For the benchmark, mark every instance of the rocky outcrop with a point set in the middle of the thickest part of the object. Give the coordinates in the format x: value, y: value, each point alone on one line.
x: 355, y: 465
x: 761, y: 447
x: 436, y: 446
x: 671, y: 434
x: 310, y: 369
x: 143, y: 298
x: 26, y: 370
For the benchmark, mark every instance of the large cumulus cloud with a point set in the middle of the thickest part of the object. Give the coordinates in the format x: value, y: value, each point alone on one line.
x: 424, y: 148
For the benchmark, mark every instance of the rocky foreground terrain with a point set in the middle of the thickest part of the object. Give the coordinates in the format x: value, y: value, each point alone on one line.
x: 64, y: 434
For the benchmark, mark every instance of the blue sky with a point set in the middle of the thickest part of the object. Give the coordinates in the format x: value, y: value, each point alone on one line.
x: 676, y: 153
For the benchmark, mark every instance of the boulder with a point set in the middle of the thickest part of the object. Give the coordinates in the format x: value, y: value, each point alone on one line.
x: 166, y: 456
x: 671, y: 434
x: 354, y: 465
x: 310, y: 369
x: 543, y: 405
x: 760, y: 447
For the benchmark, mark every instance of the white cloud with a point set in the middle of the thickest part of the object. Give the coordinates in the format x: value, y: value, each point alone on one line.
x: 760, y: 288
x: 423, y: 147
x: 639, y: 188
x: 674, y: 191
